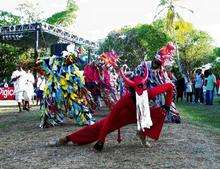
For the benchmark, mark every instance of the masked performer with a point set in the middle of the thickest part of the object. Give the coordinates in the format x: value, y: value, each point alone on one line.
x: 133, y: 107
x: 65, y: 96
x: 158, y: 75
x: 97, y: 78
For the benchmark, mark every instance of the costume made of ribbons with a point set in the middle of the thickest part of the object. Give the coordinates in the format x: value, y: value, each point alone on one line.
x: 98, y: 83
x: 62, y: 97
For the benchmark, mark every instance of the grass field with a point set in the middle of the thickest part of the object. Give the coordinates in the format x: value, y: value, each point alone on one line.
x: 206, y: 116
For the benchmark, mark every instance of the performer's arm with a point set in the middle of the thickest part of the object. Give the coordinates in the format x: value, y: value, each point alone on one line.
x: 164, y: 88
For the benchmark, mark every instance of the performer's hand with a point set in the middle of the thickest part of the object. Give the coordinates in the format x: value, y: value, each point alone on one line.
x: 166, y: 108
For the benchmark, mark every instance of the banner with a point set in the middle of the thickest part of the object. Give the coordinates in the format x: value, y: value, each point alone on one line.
x: 7, y: 93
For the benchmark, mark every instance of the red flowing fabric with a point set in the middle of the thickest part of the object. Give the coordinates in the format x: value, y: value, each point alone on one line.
x: 122, y: 114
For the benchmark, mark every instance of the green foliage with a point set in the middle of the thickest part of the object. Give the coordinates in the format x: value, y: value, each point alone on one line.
x: 8, y: 60
x: 216, y: 69
x: 135, y: 44
x: 66, y: 17
x: 194, y: 46
x: 9, y: 54
x: 7, y: 18
x: 216, y: 62
x: 216, y: 52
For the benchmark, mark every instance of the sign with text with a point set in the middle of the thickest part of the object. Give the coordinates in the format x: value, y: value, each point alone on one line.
x: 7, y: 93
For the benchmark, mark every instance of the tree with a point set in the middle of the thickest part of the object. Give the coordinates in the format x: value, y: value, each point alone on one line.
x: 8, y: 60
x: 216, y: 62
x: 195, y: 46
x: 8, y: 53
x: 66, y: 17
x: 30, y: 12
x: 135, y: 44
x: 7, y: 18
x: 172, y: 15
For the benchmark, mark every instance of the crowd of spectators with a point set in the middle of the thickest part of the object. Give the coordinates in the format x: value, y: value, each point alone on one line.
x: 199, y: 88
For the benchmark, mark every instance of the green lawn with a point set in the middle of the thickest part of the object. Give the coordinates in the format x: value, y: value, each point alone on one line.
x: 9, y: 117
x: 204, y: 115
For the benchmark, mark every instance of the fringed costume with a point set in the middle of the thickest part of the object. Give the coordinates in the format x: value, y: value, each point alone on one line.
x: 65, y: 95
x: 130, y: 108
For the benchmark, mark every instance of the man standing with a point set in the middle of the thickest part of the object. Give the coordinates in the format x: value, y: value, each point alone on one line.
x: 210, y: 84
x: 199, y: 86
x: 18, y: 79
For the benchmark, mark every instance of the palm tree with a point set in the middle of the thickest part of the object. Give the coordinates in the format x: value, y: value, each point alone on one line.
x: 170, y: 8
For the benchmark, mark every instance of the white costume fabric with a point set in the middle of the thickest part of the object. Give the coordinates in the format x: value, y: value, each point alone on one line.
x: 19, y: 84
x: 143, y: 111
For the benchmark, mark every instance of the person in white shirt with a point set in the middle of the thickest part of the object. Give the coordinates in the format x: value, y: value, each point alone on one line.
x: 199, y: 86
x: 18, y: 79
x: 40, y: 88
x: 29, y: 89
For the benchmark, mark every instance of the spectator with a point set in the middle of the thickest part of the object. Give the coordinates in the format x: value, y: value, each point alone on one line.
x: 180, y: 86
x: 199, y: 86
x: 210, y: 83
x: 189, y: 91
x: 40, y: 89
x: 18, y: 79
x: 29, y: 89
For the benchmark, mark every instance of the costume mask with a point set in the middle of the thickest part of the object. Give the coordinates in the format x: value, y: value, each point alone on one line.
x: 138, y: 82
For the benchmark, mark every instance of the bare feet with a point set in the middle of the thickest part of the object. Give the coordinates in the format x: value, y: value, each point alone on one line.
x: 57, y: 143
x: 144, y: 142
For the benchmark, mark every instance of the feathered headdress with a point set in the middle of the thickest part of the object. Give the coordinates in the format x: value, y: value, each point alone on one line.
x: 109, y: 58
x: 165, y: 54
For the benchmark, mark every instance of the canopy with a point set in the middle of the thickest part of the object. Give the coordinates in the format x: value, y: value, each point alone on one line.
x: 38, y: 35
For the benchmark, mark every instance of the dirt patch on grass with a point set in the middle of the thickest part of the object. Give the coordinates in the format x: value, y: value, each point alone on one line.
x: 22, y: 145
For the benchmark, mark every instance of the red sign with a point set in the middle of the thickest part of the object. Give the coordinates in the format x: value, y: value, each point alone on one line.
x: 7, y: 93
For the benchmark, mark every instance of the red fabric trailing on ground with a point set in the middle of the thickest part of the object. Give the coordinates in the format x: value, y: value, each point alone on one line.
x: 122, y: 114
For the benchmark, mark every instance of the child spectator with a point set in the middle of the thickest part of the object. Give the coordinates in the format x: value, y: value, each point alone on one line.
x: 189, y: 91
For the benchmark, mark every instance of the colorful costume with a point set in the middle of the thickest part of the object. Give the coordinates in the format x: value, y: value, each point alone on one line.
x: 64, y: 94
x: 158, y: 76
x: 97, y: 78
x: 124, y: 112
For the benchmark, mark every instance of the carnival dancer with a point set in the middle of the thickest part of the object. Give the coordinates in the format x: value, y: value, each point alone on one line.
x: 158, y: 75
x: 97, y: 78
x: 133, y: 107
x: 18, y: 79
x: 64, y: 93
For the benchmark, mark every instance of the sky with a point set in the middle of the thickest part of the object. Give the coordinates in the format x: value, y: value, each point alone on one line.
x: 96, y: 18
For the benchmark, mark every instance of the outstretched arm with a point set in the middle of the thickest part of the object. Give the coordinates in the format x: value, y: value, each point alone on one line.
x: 164, y: 88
